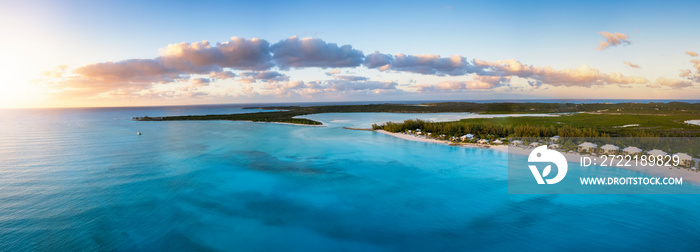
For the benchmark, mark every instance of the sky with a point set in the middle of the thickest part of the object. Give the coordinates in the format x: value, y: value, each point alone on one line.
x: 144, y: 53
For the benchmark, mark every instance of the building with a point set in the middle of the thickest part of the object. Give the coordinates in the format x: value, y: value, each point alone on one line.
x: 554, y: 139
x: 685, y: 159
x: 631, y: 150
x: 516, y: 142
x: 497, y: 141
x: 534, y: 144
x: 483, y: 141
x: 466, y: 137
x: 553, y: 146
x: 609, y: 149
x: 657, y: 152
x: 587, y: 147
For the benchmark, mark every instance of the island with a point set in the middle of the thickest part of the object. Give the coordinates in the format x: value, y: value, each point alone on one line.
x: 618, y: 130
x: 574, y: 120
x: 574, y: 123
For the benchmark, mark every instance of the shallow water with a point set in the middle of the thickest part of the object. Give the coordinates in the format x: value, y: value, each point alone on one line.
x: 365, y: 120
x: 81, y: 179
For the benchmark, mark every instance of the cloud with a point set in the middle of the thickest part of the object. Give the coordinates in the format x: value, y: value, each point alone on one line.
x: 223, y: 75
x: 694, y: 74
x: 691, y: 53
x: 350, y: 77
x: 535, y: 84
x: 581, y: 76
x: 458, y: 66
x: 129, y: 71
x: 631, y: 64
x: 477, y: 82
x: 200, y: 82
x: 177, y: 62
x: 263, y: 76
x: 379, y: 60
x: 335, y: 87
x: 333, y: 72
x: 313, y: 52
x: 613, y: 39
x: 56, y: 72
x: 428, y: 64
x: 345, y: 85
x: 238, y: 53
x: 673, y: 83
x: 260, y: 62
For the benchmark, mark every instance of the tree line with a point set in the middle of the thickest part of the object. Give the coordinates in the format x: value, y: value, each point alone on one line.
x: 487, y: 130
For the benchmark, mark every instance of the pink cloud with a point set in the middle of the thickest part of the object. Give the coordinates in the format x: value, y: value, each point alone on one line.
x: 477, y: 82
x: 673, y: 83
x: 613, y: 39
x: 631, y: 64
x: 580, y: 76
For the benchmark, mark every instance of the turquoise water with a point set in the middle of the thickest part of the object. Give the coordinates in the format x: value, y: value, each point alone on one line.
x: 81, y: 179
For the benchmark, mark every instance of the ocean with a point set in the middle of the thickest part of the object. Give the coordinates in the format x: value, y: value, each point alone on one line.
x: 83, y: 180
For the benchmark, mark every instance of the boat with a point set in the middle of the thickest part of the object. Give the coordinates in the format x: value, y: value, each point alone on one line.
x: 138, y: 133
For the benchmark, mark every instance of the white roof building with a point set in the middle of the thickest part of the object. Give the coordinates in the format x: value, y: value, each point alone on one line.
x: 516, y: 142
x: 657, y: 152
x: 482, y: 141
x: 683, y: 156
x: 554, y: 138
x: 534, y: 144
x: 588, y: 145
x: 685, y: 159
x: 467, y: 136
x: 609, y: 148
x: 553, y: 146
x: 497, y: 141
x: 631, y: 150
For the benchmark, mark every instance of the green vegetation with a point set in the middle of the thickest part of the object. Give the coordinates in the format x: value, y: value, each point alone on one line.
x: 667, y: 132
x: 485, y: 129
x: 501, y: 108
x: 624, y: 124
x: 278, y: 116
x: 654, y: 119
x: 565, y: 125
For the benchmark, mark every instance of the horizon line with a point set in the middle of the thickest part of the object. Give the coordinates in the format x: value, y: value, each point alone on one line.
x: 366, y: 102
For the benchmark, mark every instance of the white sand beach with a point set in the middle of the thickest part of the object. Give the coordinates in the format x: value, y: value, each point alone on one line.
x: 687, y: 175
x: 430, y: 140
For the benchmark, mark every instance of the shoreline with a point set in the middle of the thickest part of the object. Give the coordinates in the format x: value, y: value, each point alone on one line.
x: 285, y: 123
x: 658, y: 171
x: 445, y: 142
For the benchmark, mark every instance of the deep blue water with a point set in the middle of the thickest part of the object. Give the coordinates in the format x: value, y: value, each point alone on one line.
x: 81, y: 179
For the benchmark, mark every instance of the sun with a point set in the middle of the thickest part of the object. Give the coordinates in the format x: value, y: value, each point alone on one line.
x: 17, y: 84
